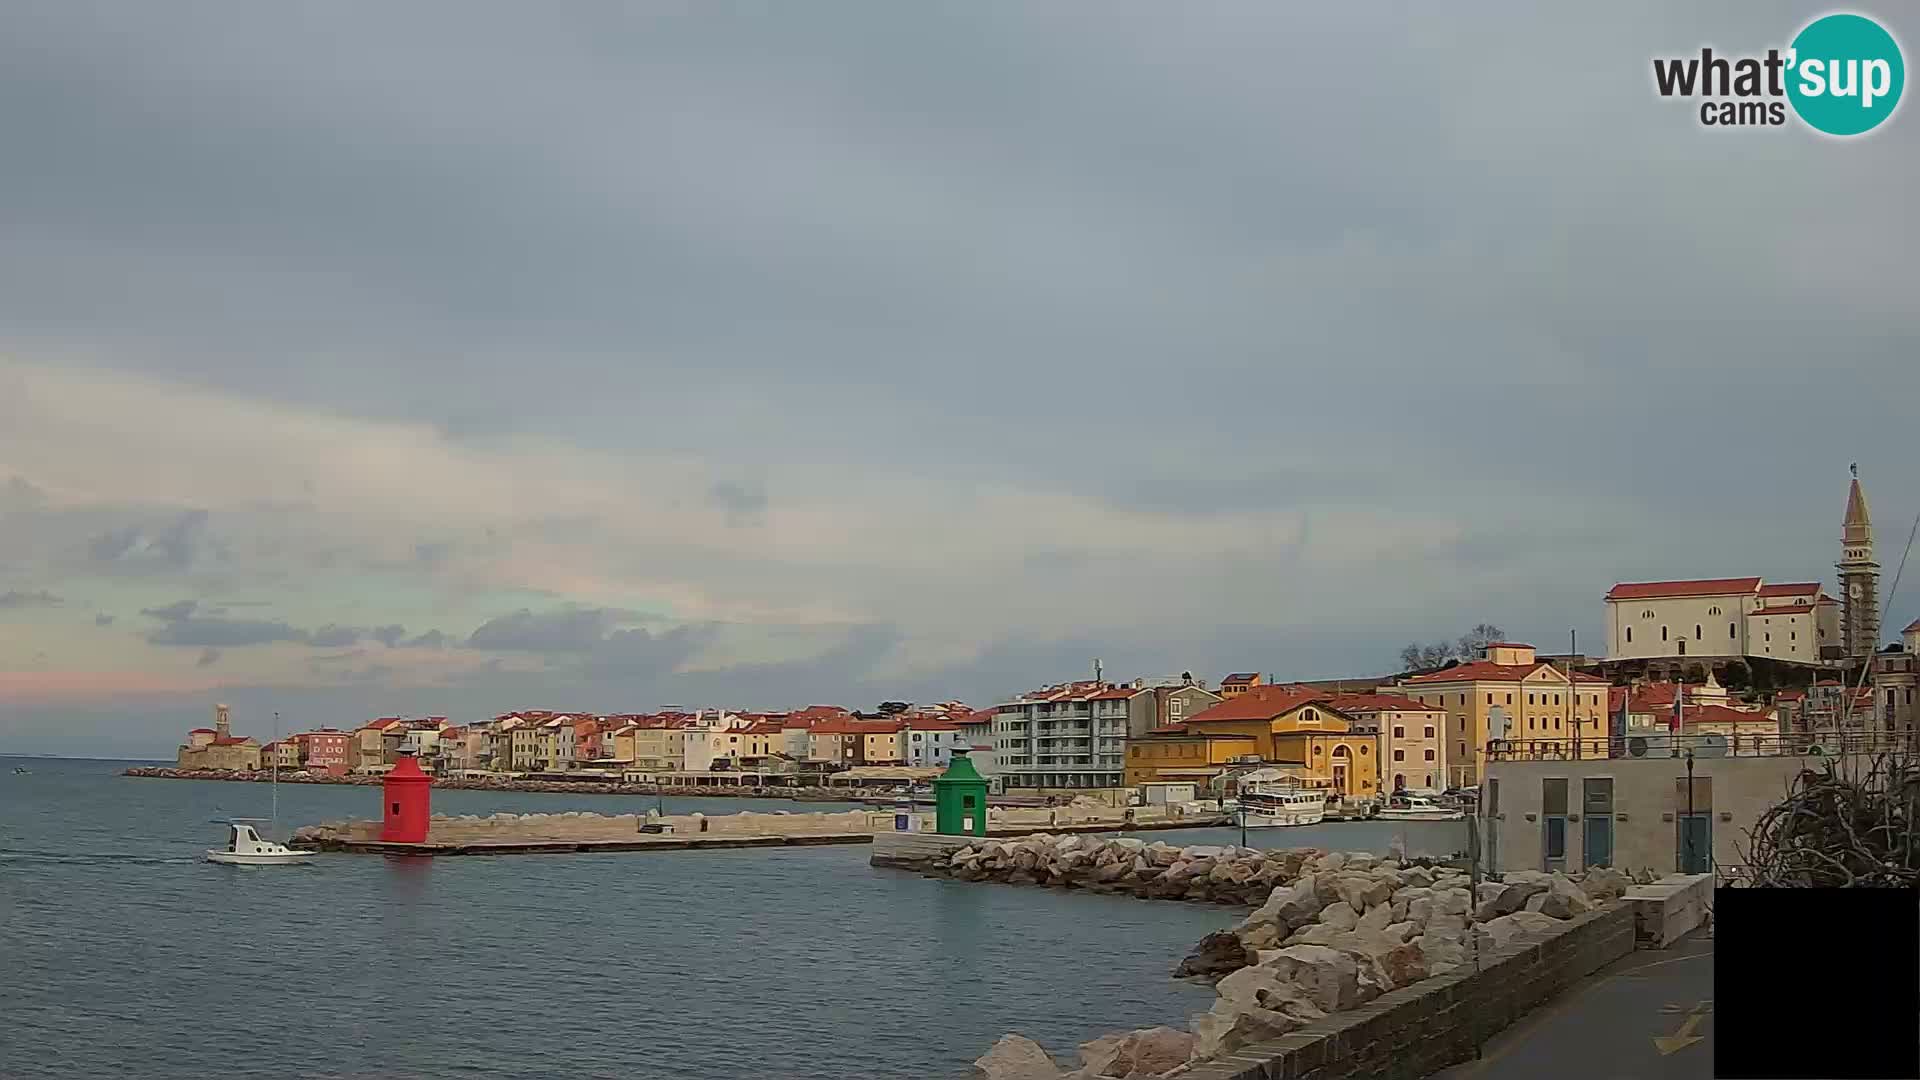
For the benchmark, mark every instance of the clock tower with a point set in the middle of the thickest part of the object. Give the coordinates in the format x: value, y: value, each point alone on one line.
x: 1859, y: 577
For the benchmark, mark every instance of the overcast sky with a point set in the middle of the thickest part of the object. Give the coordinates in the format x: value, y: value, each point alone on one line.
x: 450, y: 358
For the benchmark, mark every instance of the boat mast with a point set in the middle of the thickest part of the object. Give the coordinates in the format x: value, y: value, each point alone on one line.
x: 274, y: 783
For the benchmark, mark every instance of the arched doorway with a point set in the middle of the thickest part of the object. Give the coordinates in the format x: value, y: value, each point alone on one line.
x: 1399, y: 781
x: 1342, y: 769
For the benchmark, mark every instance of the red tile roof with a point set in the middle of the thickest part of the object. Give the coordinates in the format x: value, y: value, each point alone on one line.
x: 927, y: 724
x: 1086, y: 690
x: 1364, y: 703
x: 1912, y: 627
x: 766, y: 727
x: 850, y: 726
x: 1240, y: 677
x: 1795, y: 589
x: 1261, y: 703
x: 203, y: 731
x: 1648, y: 590
x: 1488, y: 671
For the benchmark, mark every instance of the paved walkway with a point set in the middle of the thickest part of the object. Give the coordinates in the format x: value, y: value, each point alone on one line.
x: 1647, y: 1016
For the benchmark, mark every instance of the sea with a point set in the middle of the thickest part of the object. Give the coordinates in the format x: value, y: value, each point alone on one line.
x: 123, y: 953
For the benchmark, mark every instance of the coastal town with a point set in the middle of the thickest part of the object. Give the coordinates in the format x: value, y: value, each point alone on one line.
x: 1729, y: 667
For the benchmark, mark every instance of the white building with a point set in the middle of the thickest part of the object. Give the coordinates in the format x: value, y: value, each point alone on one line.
x: 1722, y: 618
x: 929, y: 743
x: 1069, y: 736
x: 712, y: 737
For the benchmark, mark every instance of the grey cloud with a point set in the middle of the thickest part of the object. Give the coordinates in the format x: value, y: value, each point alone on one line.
x: 208, y: 657
x: 14, y: 598
x: 224, y: 633
x: 388, y: 635
x: 103, y: 619
x: 174, y: 612
x: 554, y: 631
x: 638, y: 653
x: 19, y: 496
x: 741, y: 505
x: 181, y: 542
x: 432, y: 639
x: 334, y: 637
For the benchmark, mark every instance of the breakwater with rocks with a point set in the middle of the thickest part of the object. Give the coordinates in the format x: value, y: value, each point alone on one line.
x: 559, y: 787
x: 1332, y: 932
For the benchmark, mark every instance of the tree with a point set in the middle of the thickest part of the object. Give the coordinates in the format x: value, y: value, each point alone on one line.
x: 1418, y: 657
x: 1478, y: 638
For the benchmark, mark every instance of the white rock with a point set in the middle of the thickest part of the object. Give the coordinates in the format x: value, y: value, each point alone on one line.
x: 1015, y: 1057
x: 1327, y: 976
x: 1377, y: 919
x: 1563, y: 900
x: 1339, y: 915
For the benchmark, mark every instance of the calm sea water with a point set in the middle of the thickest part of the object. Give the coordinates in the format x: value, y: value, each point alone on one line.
x: 122, y: 952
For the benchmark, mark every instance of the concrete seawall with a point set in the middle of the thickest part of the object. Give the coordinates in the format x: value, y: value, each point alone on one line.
x: 1440, y: 1021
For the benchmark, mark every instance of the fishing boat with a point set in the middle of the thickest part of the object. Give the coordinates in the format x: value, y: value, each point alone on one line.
x: 246, y: 848
x: 1405, y: 807
x: 1271, y: 799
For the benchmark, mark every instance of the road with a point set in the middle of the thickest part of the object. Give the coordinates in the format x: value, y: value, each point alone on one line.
x: 1647, y: 1016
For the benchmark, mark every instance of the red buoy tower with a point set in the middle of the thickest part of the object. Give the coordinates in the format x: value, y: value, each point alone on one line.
x: 409, y: 803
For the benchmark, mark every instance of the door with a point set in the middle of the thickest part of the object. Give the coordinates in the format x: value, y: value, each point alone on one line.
x: 1597, y: 845
x: 1696, y: 843
x: 1553, y: 823
x: 1596, y: 804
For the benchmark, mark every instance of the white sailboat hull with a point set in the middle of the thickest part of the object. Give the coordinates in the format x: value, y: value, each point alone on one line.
x: 1274, y: 819
x: 1420, y: 815
x: 259, y: 858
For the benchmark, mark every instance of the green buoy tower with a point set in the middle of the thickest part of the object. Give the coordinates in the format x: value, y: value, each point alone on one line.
x: 960, y: 799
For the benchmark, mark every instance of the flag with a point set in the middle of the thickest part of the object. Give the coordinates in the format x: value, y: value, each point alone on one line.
x: 1679, y: 705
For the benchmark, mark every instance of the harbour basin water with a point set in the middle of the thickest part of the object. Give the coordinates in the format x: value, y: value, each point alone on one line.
x: 124, y: 953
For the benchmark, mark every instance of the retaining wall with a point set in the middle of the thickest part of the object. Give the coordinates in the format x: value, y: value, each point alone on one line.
x: 1423, y: 1028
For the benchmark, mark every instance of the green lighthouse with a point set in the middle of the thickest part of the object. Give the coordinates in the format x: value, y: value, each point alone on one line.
x: 960, y: 799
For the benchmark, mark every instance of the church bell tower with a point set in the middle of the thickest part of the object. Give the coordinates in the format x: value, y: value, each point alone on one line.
x: 1859, y: 577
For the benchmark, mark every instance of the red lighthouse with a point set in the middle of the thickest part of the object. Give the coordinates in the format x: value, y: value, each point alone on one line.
x: 409, y: 803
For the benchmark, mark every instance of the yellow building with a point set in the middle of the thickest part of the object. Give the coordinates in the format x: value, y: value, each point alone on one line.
x: 1290, y: 725
x: 217, y: 748
x: 1510, y: 694
x: 1239, y: 683
x: 659, y: 749
x: 1175, y: 755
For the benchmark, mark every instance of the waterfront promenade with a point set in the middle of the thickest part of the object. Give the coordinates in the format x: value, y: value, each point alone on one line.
x: 1648, y: 1015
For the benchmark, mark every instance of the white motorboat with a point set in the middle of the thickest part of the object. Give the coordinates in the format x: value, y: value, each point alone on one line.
x: 1271, y: 799
x: 245, y: 848
x: 1404, y: 807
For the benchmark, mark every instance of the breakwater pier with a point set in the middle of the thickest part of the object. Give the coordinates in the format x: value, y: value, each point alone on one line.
x: 578, y: 832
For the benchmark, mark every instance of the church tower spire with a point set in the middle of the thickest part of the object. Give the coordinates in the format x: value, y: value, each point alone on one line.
x: 1859, y: 576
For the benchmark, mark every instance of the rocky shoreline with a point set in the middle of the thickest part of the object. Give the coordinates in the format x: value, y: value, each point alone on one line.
x: 562, y: 787
x: 1331, y: 932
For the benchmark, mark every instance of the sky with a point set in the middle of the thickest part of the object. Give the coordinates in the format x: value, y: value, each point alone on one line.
x: 449, y: 358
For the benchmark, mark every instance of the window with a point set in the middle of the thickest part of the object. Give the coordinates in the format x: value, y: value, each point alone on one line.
x: 1769, y: 637
x: 1509, y: 699
x: 1463, y: 699
x: 1429, y: 731
x: 1429, y: 754
x: 1647, y: 614
x: 1556, y: 723
x: 1713, y: 611
x: 1401, y: 732
x: 1529, y: 723
x: 1696, y: 631
x: 1429, y: 779
x: 1401, y: 755
x: 1364, y: 750
x: 1489, y: 699
x: 1731, y: 633
x: 1663, y: 633
x: 1629, y: 633
x: 1317, y: 749
x: 1529, y: 699
x: 1556, y: 699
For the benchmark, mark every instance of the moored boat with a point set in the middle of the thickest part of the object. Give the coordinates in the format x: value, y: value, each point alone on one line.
x: 246, y: 848
x: 1405, y: 807
x: 1271, y: 799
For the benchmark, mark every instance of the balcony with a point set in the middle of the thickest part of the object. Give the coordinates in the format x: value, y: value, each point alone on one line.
x: 1666, y: 747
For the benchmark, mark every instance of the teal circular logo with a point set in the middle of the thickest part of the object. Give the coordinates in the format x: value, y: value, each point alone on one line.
x: 1845, y: 74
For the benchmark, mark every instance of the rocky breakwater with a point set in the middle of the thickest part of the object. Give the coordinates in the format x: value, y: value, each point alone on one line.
x: 1149, y: 870
x: 585, y: 827
x: 1335, y: 934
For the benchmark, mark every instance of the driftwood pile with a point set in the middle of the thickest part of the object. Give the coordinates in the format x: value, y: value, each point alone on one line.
x: 1848, y: 825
